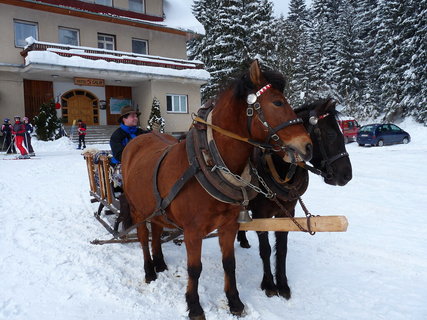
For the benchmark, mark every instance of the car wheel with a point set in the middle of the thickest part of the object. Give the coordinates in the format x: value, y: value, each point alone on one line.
x: 380, y: 143
x: 405, y: 140
x: 361, y: 144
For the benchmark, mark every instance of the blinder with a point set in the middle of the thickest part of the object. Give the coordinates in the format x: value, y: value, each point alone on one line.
x: 327, y: 161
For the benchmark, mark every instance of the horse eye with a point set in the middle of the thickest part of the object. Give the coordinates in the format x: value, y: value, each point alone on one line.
x: 278, y: 103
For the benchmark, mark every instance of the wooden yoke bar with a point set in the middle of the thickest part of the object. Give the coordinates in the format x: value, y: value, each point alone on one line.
x: 318, y: 224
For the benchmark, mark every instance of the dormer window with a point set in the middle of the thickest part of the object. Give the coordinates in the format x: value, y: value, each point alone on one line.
x: 136, y: 6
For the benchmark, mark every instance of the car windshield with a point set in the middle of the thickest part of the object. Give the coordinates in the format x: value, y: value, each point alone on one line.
x: 367, y: 129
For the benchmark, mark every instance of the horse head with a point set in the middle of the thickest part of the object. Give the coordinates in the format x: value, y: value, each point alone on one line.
x: 329, y: 153
x: 270, y: 120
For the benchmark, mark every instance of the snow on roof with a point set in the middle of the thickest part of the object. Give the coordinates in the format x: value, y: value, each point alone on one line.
x: 51, y: 58
x: 178, y: 15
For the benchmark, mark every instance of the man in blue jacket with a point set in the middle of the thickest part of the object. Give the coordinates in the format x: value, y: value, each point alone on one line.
x: 119, y: 139
x: 128, y: 130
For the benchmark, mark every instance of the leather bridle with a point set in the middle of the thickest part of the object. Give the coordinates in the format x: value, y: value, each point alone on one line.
x: 255, y: 106
x: 326, y: 164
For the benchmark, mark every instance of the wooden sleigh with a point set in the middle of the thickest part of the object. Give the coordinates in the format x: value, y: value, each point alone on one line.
x: 102, y: 191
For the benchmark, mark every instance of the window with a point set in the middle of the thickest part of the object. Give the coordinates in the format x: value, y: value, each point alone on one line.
x: 23, y: 30
x: 136, y: 5
x: 140, y: 46
x: 69, y: 36
x: 106, y: 41
x: 105, y: 2
x: 176, y: 103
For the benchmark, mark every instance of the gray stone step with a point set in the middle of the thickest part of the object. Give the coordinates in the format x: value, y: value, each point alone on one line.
x: 95, y: 134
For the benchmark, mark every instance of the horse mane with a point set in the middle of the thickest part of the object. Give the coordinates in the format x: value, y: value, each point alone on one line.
x: 307, y: 107
x: 241, y: 84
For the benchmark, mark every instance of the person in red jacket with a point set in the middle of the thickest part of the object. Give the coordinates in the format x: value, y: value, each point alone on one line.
x: 81, y: 129
x: 19, y: 130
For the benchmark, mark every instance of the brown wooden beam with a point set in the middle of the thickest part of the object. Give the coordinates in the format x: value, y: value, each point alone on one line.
x: 318, y: 224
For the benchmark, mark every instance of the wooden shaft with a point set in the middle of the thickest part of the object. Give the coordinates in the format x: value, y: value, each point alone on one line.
x: 107, y: 185
x: 318, y: 224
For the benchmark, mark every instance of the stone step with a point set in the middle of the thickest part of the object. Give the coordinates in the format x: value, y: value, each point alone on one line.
x: 95, y: 134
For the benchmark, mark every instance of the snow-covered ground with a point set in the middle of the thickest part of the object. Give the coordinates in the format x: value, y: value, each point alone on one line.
x: 375, y: 270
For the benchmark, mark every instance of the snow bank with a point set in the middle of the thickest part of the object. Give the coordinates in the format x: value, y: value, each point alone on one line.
x: 376, y: 270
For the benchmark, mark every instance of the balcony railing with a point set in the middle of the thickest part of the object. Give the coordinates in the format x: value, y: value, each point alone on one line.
x: 112, y: 56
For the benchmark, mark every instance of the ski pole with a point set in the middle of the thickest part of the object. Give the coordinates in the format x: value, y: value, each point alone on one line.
x: 11, y: 144
x: 4, y: 140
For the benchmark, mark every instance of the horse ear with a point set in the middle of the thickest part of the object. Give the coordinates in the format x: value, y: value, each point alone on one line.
x: 330, y: 104
x: 255, y: 74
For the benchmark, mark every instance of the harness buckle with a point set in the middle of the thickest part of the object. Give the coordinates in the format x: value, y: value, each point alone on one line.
x: 249, y: 111
x: 275, y: 137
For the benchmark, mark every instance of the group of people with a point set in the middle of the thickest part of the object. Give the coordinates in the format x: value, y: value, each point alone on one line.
x: 18, y: 136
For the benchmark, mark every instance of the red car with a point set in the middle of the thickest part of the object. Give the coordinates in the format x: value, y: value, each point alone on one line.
x: 349, y: 128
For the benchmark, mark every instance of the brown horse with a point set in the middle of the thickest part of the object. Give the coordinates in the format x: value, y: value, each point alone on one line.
x: 157, y: 169
x: 330, y: 160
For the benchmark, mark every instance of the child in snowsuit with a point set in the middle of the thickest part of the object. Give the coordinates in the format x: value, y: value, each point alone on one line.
x: 18, y: 130
x: 81, y: 129
x: 28, y: 131
x: 6, y: 130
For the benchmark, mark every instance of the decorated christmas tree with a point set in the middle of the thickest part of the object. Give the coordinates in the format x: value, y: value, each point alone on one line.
x: 48, y: 125
x: 155, y: 117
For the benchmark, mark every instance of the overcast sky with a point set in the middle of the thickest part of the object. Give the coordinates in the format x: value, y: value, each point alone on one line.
x: 282, y: 6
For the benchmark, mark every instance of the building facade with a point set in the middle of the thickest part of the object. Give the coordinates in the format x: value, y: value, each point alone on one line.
x: 92, y: 57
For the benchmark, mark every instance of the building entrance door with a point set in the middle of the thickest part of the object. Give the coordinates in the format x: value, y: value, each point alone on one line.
x: 80, y: 104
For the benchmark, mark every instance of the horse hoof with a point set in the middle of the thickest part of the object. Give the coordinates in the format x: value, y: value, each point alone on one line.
x: 245, y: 244
x: 271, y: 293
x: 161, y: 268
x: 285, y: 293
x: 239, y: 314
x: 199, y: 317
x: 149, y: 278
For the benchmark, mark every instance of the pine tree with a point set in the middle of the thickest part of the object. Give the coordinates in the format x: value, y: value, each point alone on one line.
x: 348, y: 74
x: 322, y: 50
x: 366, y: 15
x: 258, y: 32
x: 414, y: 57
x: 293, y: 46
x: 388, y: 53
x: 155, y: 116
x: 48, y: 125
x: 237, y: 31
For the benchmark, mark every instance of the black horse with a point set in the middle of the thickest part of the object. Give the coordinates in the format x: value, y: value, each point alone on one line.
x: 289, y: 182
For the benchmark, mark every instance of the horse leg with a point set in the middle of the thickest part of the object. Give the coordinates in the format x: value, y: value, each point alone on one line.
x: 281, y: 251
x: 267, y: 283
x: 241, y: 237
x: 156, y: 247
x: 227, y: 234
x: 193, y: 245
x: 143, y: 233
